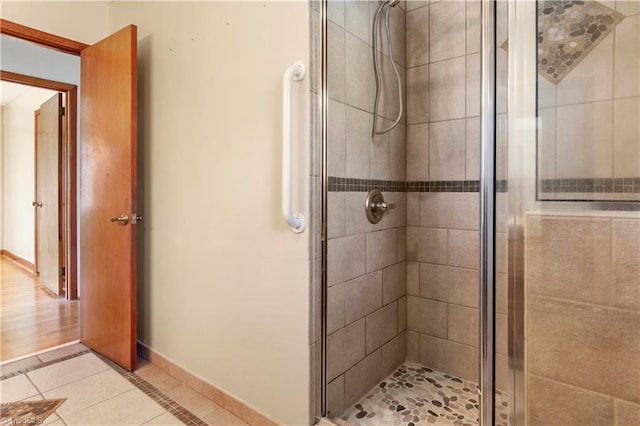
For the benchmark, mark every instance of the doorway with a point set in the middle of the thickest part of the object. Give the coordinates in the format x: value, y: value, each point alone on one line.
x: 39, y: 287
x: 107, y: 72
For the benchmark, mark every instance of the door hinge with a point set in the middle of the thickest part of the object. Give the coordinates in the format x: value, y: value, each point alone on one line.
x: 62, y: 271
x: 62, y: 111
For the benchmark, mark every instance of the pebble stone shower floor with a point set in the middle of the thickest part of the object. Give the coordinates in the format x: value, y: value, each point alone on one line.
x: 416, y: 395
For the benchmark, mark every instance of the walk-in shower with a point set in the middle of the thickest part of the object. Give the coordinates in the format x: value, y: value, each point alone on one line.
x: 504, y: 287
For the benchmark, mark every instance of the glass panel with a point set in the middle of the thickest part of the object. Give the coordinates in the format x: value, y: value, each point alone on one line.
x: 501, y: 399
x: 581, y: 289
x: 588, y: 141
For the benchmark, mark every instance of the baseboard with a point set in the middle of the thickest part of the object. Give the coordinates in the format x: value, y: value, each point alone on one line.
x: 235, y: 406
x: 22, y: 262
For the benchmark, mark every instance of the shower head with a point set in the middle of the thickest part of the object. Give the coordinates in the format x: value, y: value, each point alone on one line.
x: 392, y: 3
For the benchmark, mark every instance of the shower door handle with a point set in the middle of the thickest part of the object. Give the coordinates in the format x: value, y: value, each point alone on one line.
x: 295, y: 72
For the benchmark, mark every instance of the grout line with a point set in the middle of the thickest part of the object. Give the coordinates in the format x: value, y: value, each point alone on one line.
x: 173, y: 407
x: 98, y: 402
x: 445, y: 120
x: 614, y: 288
x: 442, y: 60
x: 613, y: 103
x: 34, y: 385
x: 38, y: 353
x: 580, y: 303
x: 571, y: 385
x: 42, y: 365
x: 591, y: 102
x: 79, y: 379
x: 466, y: 87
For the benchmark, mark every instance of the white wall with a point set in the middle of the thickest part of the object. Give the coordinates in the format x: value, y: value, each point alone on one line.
x: 224, y: 283
x: 19, y: 172
x: 84, y: 21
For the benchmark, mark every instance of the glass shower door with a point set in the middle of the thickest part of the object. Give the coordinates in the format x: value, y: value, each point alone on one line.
x: 574, y: 213
x: 402, y: 306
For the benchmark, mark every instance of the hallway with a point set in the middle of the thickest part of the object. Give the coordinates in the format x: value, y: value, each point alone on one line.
x: 33, y: 319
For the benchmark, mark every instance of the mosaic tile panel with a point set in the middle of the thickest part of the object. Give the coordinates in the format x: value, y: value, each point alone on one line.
x: 567, y: 31
x: 28, y: 412
x: 414, y: 395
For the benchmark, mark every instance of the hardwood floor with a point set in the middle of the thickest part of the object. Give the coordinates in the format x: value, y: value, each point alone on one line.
x: 32, y: 318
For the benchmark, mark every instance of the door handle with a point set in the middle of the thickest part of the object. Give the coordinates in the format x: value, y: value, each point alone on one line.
x: 123, y: 219
x: 36, y: 204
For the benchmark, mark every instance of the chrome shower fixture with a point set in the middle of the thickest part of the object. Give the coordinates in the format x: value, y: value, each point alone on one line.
x: 386, y: 6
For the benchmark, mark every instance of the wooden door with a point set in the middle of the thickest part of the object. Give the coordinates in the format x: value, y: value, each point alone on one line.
x: 108, y: 191
x: 48, y: 144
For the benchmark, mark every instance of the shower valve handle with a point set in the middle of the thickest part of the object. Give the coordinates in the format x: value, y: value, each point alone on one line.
x: 375, y: 206
x: 384, y: 206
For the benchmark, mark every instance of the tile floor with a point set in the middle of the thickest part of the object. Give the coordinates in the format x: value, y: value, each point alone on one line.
x: 414, y: 394
x: 98, y: 392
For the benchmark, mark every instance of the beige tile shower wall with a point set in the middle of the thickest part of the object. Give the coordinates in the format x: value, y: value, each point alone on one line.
x: 589, y: 121
x: 366, y: 263
x: 583, y: 317
x: 443, y: 88
x: 367, y: 303
x: 442, y: 283
x: 352, y: 152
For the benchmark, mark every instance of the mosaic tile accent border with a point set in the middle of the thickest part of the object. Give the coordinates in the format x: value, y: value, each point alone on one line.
x: 414, y: 394
x: 43, y: 364
x: 601, y: 185
x: 184, y: 415
x: 337, y: 184
x: 177, y: 410
x: 444, y: 186
x: 567, y: 31
x: 604, y: 185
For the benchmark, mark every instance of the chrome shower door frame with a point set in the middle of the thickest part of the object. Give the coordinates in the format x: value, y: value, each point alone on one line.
x: 487, y: 211
x: 324, y: 120
x: 522, y: 131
